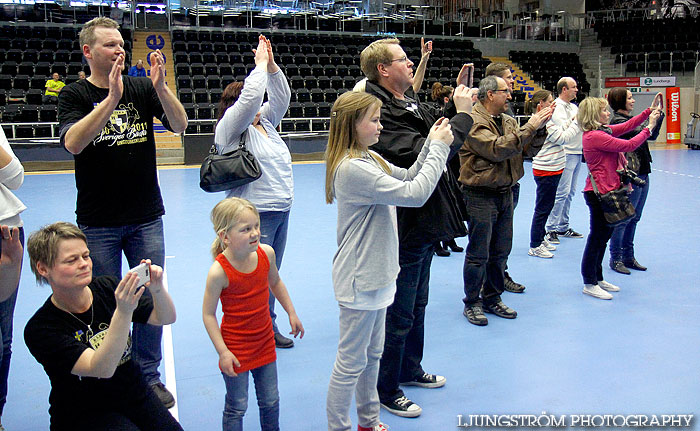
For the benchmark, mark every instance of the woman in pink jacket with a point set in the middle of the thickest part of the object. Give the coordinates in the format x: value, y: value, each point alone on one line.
x: 603, y: 153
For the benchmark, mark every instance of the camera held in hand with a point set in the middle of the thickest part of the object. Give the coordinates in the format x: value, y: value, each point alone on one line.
x: 628, y: 176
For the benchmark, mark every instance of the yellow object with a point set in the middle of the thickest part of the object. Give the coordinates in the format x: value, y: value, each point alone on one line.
x: 52, y: 87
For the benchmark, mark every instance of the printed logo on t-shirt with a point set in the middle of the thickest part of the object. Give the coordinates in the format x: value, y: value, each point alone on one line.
x: 125, y: 127
x: 96, y: 341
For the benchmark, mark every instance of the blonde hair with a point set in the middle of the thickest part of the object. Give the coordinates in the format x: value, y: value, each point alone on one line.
x: 42, y: 245
x: 347, y: 111
x: 224, y: 216
x: 537, y: 97
x: 87, y: 34
x: 589, y: 113
x: 374, y: 54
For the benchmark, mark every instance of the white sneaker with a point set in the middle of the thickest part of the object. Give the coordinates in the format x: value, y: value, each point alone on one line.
x: 548, y: 245
x: 540, y: 251
x: 608, y: 286
x: 595, y: 291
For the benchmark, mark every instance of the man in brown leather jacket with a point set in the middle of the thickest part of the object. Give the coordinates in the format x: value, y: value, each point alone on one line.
x: 491, y: 162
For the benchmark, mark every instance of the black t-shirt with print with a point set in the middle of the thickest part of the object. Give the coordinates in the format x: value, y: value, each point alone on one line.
x: 56, y: 339
x: 116, y: 173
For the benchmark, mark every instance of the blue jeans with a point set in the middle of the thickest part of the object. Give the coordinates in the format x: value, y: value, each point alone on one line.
x: 404, y: 331
x: 265, y: 379
x: 544, y: 202
x: 7, y: 311
x: 622, y: 240
x: 558, y: 220
x: 490, y: 220
x: 592, y: 260
x: 137, y: 241
x: 273, y: 232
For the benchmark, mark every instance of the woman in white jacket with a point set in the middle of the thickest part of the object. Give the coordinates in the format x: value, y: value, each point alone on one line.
x: 244, y: 117
x: 12, y: 242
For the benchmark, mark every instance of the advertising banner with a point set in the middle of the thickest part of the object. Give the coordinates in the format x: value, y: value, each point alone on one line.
x: 658, y: 81
x: 673, y: 115
x: 622, y: 82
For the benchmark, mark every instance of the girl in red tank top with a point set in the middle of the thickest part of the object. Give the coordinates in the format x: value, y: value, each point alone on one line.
x: 241, y: 277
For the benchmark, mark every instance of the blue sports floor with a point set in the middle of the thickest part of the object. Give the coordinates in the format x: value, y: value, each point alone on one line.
x: 566, y: 353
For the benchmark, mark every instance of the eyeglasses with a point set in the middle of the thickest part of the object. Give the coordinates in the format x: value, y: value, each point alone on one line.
x: 400, y: 60
x: 504, y: 90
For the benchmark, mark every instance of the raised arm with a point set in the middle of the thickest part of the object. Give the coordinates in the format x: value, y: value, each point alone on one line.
x: 281, y: 294
x: 103, y: 362
x: 560, y: 128
x: 85, y: 130
x: 425, y: 50
x: 238, y: 117
x: 278, y: 92
x: 171, y: 105
x: 163, y: 308
x: 631, y: 124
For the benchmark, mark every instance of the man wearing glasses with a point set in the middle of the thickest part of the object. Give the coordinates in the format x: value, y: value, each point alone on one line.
x: 491, y: 163
x: 406, y: 125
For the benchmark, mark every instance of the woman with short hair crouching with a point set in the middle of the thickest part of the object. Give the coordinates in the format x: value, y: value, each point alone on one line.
x: 81, y: 336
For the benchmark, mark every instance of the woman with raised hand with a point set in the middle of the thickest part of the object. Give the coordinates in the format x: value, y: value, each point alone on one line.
x: 603, y: 150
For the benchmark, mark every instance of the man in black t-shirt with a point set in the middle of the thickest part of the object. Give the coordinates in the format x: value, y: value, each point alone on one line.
x: 81, y: 337
x: 106, y: 122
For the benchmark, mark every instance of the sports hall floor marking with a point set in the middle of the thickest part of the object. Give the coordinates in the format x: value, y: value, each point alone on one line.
x: 168, y: 354
x: 676, y: 173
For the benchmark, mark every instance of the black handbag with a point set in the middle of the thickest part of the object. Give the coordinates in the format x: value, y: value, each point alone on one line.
x: 617, y: 208
x: 221, y: 172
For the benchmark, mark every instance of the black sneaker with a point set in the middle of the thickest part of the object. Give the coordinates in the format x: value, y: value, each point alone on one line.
x: 570, y: 233
x: 429, y: 381
x: 282, y: 342
x: 403, y: 407
x: 501, y: 310
x: 163, y: 395
x: 475, y: 315
x: 552, y: 237
x: 512, y: 286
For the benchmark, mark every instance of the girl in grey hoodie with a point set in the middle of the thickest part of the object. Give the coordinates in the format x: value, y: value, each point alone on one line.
x: 366, y: 264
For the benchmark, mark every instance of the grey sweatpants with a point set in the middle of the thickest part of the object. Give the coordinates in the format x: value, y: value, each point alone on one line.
x: 356, y: 369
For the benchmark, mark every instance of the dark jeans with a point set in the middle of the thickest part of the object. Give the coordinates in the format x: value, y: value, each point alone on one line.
x: 403, y: 342
x: 544, y: 202
x: 147, y: 413
x: 7, y: 311
x: 622, y: 240
x: 273, y: 232
x: 592, y: 261
x: 490, y: 220
x: 137, y: 241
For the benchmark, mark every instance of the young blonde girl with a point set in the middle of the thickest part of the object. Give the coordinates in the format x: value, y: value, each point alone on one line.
x: 366, y: 264
x: 240, y: 276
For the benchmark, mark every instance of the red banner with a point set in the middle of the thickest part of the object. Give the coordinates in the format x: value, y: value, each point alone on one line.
x: 673, y: 115
x: 622, y: 82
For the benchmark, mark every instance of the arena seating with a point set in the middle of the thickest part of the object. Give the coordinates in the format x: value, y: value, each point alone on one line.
x: 666, y: 45
x: 546, y: 68
x: 318, y: 67
x: 29, y: 54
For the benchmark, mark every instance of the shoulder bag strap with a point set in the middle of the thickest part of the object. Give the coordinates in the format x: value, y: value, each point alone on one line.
x: 595, y: 187
x: 241, y: 144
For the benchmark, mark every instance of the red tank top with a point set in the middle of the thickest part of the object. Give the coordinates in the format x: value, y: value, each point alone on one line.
x: 246, y: 326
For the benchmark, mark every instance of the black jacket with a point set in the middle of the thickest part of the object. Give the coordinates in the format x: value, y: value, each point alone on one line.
x: 400, y: 142
x: 643, y: 150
